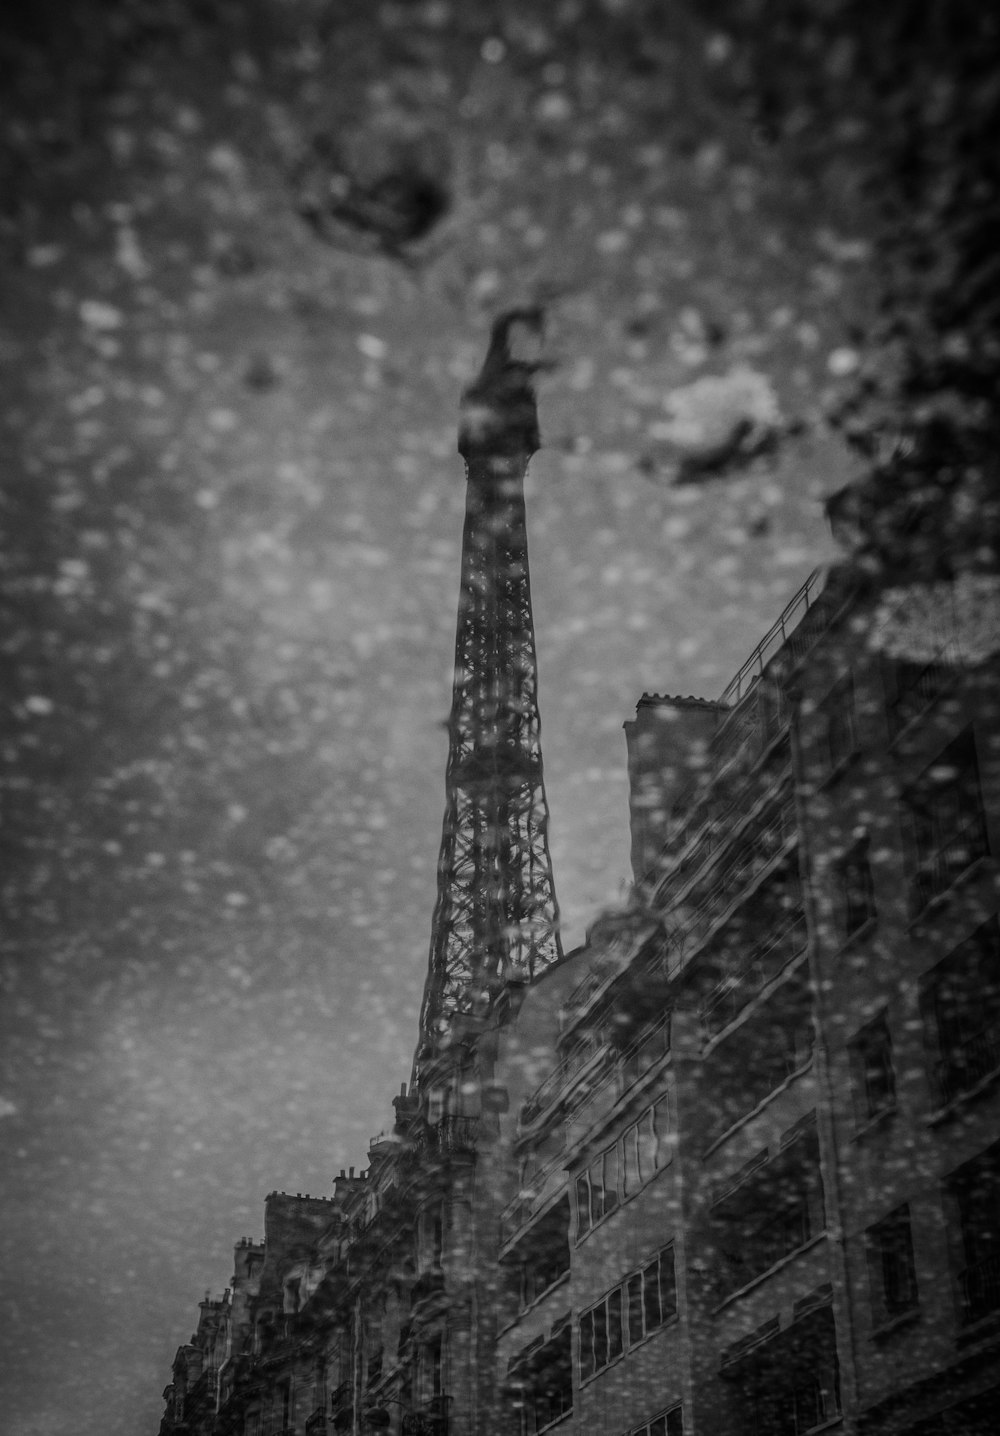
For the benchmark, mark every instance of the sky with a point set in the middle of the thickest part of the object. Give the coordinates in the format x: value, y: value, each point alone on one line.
x: 232, y: 510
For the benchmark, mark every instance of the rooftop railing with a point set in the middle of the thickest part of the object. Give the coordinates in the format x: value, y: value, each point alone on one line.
x: 779, y: 633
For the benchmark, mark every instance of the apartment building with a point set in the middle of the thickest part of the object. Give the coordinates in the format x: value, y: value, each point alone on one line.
x: 733, y: 1166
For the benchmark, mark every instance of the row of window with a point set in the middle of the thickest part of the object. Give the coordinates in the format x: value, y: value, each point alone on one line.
x: 617, y: 1173
x: 960, y: 1000
x: 628, y: 1314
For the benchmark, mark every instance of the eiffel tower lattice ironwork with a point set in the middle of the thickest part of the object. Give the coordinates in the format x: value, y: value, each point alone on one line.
x: 496, y: 916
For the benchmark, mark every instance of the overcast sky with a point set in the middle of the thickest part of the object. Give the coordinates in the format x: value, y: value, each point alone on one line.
x: 233, y: 513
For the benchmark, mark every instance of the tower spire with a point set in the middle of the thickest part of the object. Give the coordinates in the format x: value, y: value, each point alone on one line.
x: 496, y: 916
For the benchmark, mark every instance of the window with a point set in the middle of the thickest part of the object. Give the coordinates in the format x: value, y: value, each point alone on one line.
x: 961, y: 1006
x: 628, y: 1314
x: 838, y: 728
x: 891, y: 1271
x: 642, y: 1150
x: 542, y: 1255
x: 949, y: 827
x: 652, y: 1297
x: 791, y: 1384
x: 857, y: 891
x: 647, y: 1050
x: 975, y: 1193
x: 668, y: 1423
x: 871, y: 1062
x: 777, y: 1208
x: 540, y: 1380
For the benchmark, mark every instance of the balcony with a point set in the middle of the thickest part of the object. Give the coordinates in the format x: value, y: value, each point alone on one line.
x: 573, y: 1061
x: 916, y: 689
x: 342, y: 1406
x: 735, y: 876
x: 761, y: 965
x: 430, y: 1419
x: 949, y: 861
x: 966, y: 1066
x: 452, y: 1136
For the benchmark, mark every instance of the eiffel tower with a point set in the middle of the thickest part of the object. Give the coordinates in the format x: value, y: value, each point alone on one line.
x: 496, y: 917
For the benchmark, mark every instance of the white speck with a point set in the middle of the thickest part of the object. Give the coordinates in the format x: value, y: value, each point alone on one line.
x: 42, y: 256
x: 612, y: 241
x: 236, y: 899
x: 39, y: 705
x: 371, y: 346
x: 493, y: 50
x: 226, y: 160
x: 554, y: 106
x: 7, y: 1107
x: 843, y: 361
x: 223, y: 421
x: 98, y: 315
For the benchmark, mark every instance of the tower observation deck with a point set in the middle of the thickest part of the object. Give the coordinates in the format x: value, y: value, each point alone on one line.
x: 496, y: 918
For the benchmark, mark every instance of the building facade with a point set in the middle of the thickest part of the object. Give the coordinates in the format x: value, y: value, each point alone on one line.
x: 732, y: 1166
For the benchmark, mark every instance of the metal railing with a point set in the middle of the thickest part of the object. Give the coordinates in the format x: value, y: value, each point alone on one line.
x: 762, y: 964
x: 917, y: 688
x: 958, y: 852
x: 574, y: 1061
x: 779, y: 633
x: 750, y: 855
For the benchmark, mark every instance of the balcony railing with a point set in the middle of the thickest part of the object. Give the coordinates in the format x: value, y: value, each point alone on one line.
x: 430, y: 1419
x: 916, y: 689
x: 980, y: 1285
x: 341, y: 1398
x: 573, y: 1061
x: 764, y: 962
x: 966, y: 1066
x: 450, y: 1135
x: 958, y: 852
x: 779, y: 633
x: 749, y: 856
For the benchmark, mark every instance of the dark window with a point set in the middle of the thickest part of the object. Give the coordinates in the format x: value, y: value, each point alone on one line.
x: 542, y: 1255
x: 540, y: 1381
x: 792, y: 1384
x: 774, y: 1211
x: 917, y: 685
x: 871, y: 1061
x: 961, y: 1005
x: 891, y: 1270
x: 857, y: 891
x: 975, y: 1190
x: 949, y: 827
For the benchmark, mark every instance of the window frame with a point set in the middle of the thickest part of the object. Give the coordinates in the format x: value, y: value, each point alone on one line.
x: 595, y: 1195
x: 608, y: 1322
x: 889, y: 1245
